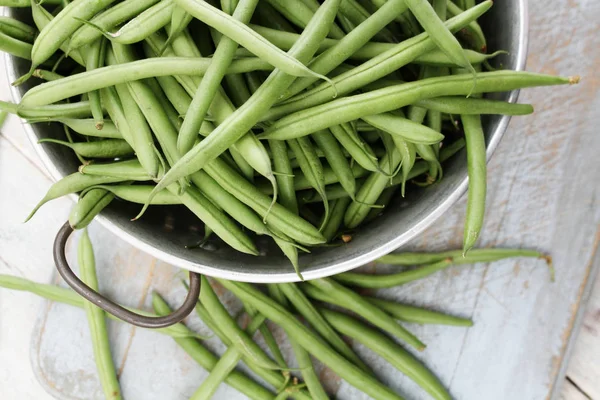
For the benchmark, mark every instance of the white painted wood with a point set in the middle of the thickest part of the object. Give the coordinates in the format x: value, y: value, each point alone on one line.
x: 584, y: 367
x: 543, y: 193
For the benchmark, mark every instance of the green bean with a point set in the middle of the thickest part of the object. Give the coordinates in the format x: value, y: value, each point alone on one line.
x: 75, y: 182
x: 302, y: 355
x: 229, y: 203
x: 355, y: 302
x: 439, y: 34
x: 338, y: 209
x: 242, y: 34
x: 70, y: 297
x: 208, y: 360
x: 418, y: 315
x: 427, y: 154
x: 401, y: 359
x: 129, y: 170
x: 212, y: 80
x: 61, y: 28
x: 357, y: 15
x: 108, y: 19
x: 350, y: 43
x: 477, y: 171
x: 285, y: 180
x: 132, y: 126
x: 246, y: 116
x: 15, y: 46
x: 46, y: 75
x: 311, y: 166
x: 303, y: 305
x: 310, y: 341
x: 289, y: 249
x: 472, y: 33
x: 136, y: 193
x: 169, y: 110
x: 42, y: 18
x: 380, y: 281
x: 474, y: 106
x: 17, y: 29
x: 97, y: 322
x: 437, y: 58
x: 268, y: 338
x: 87, y: 127
x: 109, y: 148
x: 336, y: 159
x: 359, y: 150
x: 88, y: 207
x: 474, y: 256
x: 300, y: 14
x: 143, y: 25
x: 51, y: 92
x: 404, y: 128
x: 374, y: 69
x: 394, y: 97
x: 95, y: 59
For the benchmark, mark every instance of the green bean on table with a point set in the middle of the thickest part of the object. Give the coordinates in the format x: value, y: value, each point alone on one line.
x: 389, y: 350
x: 97, y: 322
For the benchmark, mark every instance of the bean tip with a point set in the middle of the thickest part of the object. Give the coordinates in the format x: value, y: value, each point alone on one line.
x: 574, y: 80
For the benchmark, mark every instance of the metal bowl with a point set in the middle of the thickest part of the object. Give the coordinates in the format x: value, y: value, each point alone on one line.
x: 165, y: 231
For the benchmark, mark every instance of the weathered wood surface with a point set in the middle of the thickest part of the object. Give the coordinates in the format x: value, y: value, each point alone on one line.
x: 543, y: 193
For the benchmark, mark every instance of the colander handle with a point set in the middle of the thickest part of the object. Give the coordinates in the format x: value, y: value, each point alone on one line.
x: 113, y: 308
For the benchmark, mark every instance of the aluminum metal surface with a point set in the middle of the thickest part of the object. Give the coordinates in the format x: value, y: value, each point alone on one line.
x: 164, y: 232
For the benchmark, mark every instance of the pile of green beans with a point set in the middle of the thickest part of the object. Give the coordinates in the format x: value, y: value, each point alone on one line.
x: 300, y: 120
x: 375, y: 323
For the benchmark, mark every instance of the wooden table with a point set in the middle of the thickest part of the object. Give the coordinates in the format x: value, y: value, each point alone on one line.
x: 543, y: 193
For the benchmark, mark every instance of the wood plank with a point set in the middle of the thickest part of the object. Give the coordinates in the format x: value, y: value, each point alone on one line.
x: 584, y: 367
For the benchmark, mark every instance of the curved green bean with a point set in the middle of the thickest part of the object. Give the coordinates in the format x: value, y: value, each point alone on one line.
x: 75, y: 182
x: 401, y: 359
x: 477, y: 171
x: 17, y: 29
x: 51, y: 92
x: 404, y: 128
